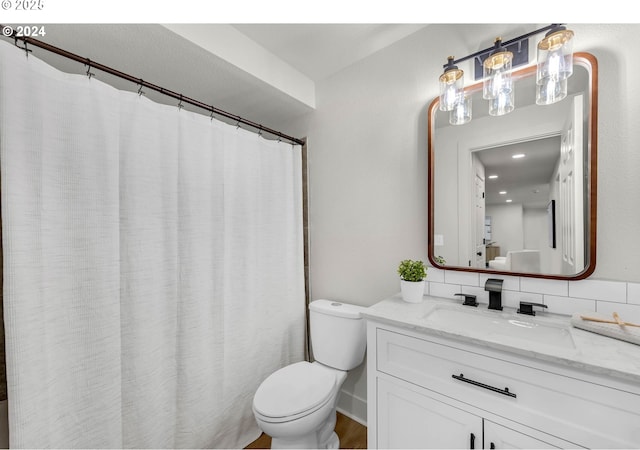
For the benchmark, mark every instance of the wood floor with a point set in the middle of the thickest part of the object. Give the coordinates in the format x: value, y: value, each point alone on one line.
x: 351, y: 434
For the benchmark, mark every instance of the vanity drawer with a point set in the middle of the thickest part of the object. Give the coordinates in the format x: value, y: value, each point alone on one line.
x: 551, y: 402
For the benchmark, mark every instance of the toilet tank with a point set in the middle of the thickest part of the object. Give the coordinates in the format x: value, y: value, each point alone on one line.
x: 338, y: 334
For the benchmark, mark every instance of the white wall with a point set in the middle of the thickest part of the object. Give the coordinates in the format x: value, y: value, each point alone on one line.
x: 368, y: 165
x: 507, y: 226
x: 536, y: 235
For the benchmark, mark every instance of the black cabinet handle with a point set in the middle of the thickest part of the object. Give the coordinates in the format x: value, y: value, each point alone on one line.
x: 472, y: 441
x: 504, y: 391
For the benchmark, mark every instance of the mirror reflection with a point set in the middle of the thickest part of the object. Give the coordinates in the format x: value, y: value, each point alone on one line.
x: 513, y: 194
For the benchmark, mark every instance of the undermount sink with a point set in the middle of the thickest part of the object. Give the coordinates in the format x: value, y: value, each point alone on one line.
x: 499, y: 325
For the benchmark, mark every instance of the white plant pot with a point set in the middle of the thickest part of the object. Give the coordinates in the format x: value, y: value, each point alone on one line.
x: 412, y: 291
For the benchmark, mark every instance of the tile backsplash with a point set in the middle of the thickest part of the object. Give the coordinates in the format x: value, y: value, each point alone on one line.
x: 560, y: 296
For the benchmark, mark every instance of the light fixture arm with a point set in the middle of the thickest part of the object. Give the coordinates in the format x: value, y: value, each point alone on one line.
x: 497, y: 47
x: 450, y: 65
x: 504, y: 44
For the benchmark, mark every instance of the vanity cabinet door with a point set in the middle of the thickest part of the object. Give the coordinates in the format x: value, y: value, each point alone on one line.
x: 407, y: 418
x: 500, y: 437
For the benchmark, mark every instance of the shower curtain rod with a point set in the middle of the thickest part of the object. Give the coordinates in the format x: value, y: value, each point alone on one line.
x: 139, y: 81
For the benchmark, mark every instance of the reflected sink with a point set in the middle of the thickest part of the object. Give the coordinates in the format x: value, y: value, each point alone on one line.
x: 497, y: 325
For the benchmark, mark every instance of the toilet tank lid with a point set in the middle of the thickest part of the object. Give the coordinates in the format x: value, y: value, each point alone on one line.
x: 334, y: 308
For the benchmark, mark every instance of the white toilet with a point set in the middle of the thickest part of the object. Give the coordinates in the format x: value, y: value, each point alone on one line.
x: 296, y: 405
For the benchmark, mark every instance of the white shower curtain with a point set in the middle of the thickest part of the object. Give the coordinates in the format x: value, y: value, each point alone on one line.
x: 153, y: 266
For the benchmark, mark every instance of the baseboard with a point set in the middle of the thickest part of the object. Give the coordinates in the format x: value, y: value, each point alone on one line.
x: 352, y: 406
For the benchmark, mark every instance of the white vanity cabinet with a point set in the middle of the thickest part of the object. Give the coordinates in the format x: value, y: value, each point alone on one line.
x: 431, y: 391
x: 410, y: 418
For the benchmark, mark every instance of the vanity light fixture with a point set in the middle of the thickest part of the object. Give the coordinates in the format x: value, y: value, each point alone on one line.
x: 555, y: 54
x: 549, y: 91
x: 451, y: 86
x: 497, y: 85
x: 461, y: 112
x: 554, y: 67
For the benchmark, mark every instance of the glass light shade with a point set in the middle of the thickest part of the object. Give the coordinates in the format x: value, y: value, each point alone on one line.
x: 549, y: 91
x: 497, y: 75
x: 502, y: 104
x: 451, y: 88
x: 461, y: 112
x: 555, y: 56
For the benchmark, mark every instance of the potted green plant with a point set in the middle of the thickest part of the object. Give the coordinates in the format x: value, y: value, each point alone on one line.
x: 412, y: 275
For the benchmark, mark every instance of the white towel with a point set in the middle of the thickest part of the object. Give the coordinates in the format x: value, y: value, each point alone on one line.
x: 613, y: 330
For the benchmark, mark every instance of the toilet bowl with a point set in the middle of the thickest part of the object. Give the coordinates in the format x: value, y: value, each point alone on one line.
x: 296, y: 405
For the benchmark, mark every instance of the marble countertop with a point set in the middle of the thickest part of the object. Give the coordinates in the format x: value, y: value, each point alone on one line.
x: 589, y: 351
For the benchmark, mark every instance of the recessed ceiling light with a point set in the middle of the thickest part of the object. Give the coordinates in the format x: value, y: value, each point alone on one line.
x: 502, y: 192
x: 518, y: 155
x: 493, y: 177
x: 509, y: 200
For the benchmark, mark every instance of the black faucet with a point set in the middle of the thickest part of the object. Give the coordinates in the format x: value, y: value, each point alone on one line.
x: 527, y: 308
x: 494, y: 286
x: 469, y: 300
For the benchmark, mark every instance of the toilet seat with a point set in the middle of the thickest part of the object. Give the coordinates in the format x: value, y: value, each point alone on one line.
x: 294, y: 391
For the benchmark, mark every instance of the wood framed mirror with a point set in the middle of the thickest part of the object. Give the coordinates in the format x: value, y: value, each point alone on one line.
x: 531, y: 216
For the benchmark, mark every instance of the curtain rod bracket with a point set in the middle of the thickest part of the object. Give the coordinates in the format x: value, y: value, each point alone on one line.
x: 88, y: 64
x: 26, y: 50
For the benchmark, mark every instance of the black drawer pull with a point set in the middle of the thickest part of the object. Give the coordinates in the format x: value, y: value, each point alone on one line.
x: 504, y: 391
